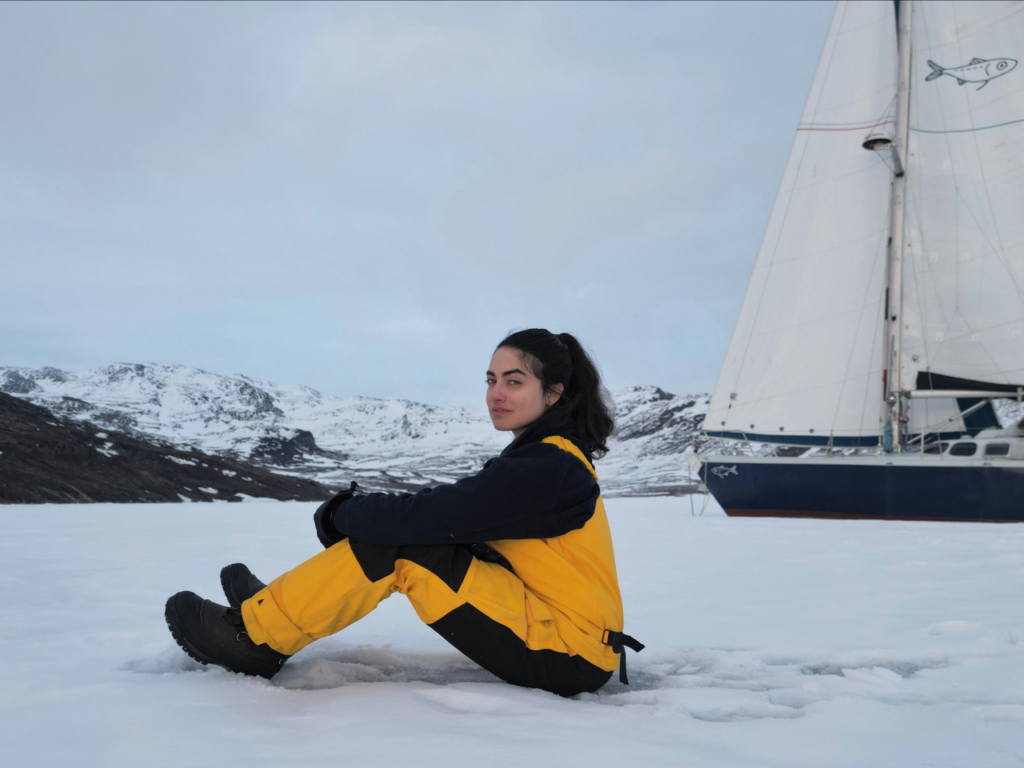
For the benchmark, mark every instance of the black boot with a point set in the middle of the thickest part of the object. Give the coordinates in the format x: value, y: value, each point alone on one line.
x: 239, y: 584
x: 213, y: 634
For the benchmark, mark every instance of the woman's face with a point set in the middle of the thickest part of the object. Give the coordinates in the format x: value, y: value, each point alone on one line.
x: 515, y: 397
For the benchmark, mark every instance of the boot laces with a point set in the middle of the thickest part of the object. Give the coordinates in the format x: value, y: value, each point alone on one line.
x: 234, y: 617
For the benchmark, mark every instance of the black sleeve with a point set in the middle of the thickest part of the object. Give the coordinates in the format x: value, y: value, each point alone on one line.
x: 535, y: 492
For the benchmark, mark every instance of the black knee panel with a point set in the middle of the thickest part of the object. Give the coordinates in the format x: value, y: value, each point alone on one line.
x: 449, y: 562
x: 376, y: 560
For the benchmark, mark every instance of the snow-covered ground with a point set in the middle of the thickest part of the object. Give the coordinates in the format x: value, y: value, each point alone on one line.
x: 770, y: 643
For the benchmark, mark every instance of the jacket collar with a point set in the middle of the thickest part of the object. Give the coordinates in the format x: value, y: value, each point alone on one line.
x: 556, y: 421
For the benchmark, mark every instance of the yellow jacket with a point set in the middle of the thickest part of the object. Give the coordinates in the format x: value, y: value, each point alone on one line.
x: 538, y: 505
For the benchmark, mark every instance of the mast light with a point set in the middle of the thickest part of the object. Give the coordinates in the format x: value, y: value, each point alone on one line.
x: 881, y: 135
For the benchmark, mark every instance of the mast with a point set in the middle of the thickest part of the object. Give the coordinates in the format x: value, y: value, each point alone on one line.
x: 894, y: 292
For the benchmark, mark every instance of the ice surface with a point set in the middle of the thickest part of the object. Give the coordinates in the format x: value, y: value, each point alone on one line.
x: 770, y: 643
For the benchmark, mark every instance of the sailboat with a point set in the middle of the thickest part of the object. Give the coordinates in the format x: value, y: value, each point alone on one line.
x: 885, y: 312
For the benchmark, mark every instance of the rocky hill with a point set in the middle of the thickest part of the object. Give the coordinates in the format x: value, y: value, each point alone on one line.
x: 46, y: 458
x: 383, y: 444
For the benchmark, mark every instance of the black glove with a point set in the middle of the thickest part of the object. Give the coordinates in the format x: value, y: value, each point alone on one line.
x: 323, y: 518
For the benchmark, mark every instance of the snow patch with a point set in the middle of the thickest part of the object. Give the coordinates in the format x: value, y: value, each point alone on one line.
x: 108, y: 450
x: 186, y: 462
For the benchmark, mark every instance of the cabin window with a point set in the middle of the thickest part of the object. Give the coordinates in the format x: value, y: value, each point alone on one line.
x: 997, y: 449
x: 936, y: 448
x: 963, y: 449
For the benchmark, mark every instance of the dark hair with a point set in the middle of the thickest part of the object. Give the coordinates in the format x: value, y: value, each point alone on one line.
x: 560, y: 359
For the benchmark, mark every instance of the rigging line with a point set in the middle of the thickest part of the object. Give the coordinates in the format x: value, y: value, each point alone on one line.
x: 989, y: 20
x: 972, y: 332
x: 1000, y: 251
x: 929, y: 274
x: 864, y: 99
x: 968, y: 130
x: 887, y: 112
x: 1007, y: 172
x: 866, y: 169
x: 874, y: 375
x: 976, y: 185
x: 919, y: 278
x: 937, y: 429
x: 780, y: 369
x: 1005, y: 95
x: 831, y: 249
x: 856, y: 333
x: 988, y: 195
x: 819, y: 320
x: 988, y: 328
x: 854, y: 128
x: 1014, y: 370
x: 886, y: 18
x: 956, y: 207
x: 805, y: 390
x: 789, y: 200
x: 852, y: 105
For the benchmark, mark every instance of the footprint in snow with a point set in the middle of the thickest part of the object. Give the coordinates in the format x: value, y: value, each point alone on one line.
x: 322, y: 674
x: 880, y: 677
x: 949, y: 627
x: 1001, y: 713
x: 463, y: 702
x: 172, y: 660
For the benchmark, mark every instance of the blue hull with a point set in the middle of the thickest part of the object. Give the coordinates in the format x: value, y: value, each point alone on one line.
x: 835, y: 488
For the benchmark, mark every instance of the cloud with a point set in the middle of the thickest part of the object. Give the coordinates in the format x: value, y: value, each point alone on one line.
x: 339, y: 194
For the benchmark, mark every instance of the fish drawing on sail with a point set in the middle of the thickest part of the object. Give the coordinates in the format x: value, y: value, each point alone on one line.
x: 724, y: 471
x: 977, y: 71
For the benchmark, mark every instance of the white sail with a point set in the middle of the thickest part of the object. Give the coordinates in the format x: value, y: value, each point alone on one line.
x: 805, y: 360
x: 963, y: 291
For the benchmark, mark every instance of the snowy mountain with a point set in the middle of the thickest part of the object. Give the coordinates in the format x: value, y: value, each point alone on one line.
x: 383, y: 444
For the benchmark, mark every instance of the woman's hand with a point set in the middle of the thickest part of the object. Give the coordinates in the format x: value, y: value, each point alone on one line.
x: 323, y: 518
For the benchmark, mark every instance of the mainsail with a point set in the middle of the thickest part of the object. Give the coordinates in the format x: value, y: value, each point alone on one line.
x: 963, y: 292
x: 805, y: 361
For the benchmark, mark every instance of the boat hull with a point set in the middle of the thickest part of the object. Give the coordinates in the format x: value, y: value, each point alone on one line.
x: 866, y: 487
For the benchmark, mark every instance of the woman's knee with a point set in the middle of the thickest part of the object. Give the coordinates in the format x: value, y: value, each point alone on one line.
x: 448, y: 562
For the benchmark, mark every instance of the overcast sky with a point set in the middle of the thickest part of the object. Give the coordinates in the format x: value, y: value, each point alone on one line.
x: 366, y: 198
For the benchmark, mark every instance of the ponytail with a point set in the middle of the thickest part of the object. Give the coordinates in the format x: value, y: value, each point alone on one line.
x: 561, y: 359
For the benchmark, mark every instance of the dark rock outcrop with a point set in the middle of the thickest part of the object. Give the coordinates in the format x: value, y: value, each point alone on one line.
x: 284, y: 451
x: 45, y: 458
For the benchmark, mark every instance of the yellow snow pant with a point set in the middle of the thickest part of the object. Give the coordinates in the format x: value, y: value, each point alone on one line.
x: 481, y: 608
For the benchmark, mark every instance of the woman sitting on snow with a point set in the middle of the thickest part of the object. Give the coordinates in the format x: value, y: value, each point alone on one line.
x: 513, y: 566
